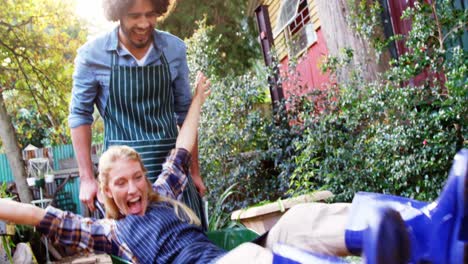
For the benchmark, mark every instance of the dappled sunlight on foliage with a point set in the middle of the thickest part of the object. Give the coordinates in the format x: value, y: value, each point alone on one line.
x: 38, y: 41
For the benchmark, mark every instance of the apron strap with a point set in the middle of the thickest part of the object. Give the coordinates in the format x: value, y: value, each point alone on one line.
x: 114, y: 59
x: 163, y: 59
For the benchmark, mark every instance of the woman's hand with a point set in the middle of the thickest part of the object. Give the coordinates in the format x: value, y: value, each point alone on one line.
x: 202, y: 87
x: 188, y: 135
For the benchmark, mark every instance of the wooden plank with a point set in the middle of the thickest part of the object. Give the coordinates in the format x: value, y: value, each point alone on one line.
x: 273, y: 10
x: 314, y: 14
x: 281, y: 46
x: 338, y: 35
x: 316, y: 22
x: 262, y: 218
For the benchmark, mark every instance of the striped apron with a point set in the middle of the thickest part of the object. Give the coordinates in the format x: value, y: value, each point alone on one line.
x: 140, y: 113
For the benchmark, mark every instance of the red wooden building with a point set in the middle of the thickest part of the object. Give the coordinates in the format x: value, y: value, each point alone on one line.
x: 308, y: 30
x: 292, y: 30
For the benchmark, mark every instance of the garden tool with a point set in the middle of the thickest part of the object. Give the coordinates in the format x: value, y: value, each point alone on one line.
x: 100, y: 212
x: 438, y: 231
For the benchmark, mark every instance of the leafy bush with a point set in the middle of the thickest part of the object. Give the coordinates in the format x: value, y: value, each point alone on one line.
x: 394, y: 135
x: 381, y: 138
x: 240, y: 144
x: 397, y: 135
x: 232, y: 136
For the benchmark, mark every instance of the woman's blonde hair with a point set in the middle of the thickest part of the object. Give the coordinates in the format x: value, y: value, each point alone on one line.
x: 125, y: 153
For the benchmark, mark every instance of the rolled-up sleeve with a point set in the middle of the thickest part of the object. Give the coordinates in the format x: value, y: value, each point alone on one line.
x: 77, y: 232
x: 173, y: 178
x: 182, y: 91
x: 84, y: 92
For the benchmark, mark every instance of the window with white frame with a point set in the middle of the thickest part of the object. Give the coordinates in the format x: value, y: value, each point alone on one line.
x: 295, y: 21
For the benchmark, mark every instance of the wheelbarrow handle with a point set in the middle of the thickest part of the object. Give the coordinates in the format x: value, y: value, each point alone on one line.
x: 100, y: 208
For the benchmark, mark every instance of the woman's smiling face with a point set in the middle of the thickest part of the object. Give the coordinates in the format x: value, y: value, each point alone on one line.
x: 128, y: 187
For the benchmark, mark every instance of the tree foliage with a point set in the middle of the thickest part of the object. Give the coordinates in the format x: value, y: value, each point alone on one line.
x: 37, y: 43
x: 29, y: 124
x: 38, y: 40
x: 233, y: 31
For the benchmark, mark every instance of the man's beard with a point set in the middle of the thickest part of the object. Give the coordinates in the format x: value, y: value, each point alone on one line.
x: 128, y: 32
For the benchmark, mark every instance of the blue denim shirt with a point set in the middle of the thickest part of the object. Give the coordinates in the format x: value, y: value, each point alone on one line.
x: 93, y: 68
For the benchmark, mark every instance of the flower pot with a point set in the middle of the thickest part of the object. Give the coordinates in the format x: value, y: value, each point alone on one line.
x: 49, y: 178
x: 31, y: 181
x: 262, y: 218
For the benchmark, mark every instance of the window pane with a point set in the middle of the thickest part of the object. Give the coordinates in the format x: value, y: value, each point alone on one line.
x: 287, y: 13
x: 301, y: 18
x: 305, y: 37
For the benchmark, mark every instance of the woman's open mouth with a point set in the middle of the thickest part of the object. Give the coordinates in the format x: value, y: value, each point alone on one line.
x: 135, y: 206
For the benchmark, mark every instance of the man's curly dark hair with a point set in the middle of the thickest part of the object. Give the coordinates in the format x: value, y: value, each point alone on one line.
x: 115, y: 9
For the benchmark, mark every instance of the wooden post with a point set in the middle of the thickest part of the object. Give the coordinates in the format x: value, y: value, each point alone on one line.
x: 333, y: 15
x: 266, y: 41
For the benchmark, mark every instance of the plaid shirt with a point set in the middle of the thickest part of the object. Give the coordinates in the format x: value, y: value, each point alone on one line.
x: 173, y: 178
x: 89, y: 234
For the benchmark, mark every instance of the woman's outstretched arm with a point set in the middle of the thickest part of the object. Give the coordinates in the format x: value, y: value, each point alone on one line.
x: 188, y: 133
x: 20, y: 213
x: 62, y: 227
x: 173, y: 178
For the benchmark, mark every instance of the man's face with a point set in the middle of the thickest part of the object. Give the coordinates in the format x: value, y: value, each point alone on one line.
x: 128, y: 187
x: 137, y: 24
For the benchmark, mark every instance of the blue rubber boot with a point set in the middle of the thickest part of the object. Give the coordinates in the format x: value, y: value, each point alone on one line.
x: 438, y: 231
x: 385, y: 240
x: 363, y: 209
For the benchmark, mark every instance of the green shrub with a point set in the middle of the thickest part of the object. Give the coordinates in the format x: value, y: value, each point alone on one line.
x: 397, y: 135
x: 240, y: 143
x: 383, y: 139
x: 231, y: 139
